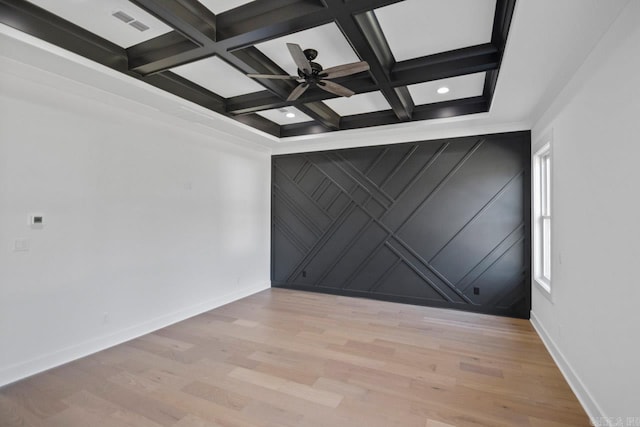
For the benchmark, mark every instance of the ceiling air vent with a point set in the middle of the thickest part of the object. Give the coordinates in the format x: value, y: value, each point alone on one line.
x: 128, y: 19
x: 122, y: 16
x: 139, y: 26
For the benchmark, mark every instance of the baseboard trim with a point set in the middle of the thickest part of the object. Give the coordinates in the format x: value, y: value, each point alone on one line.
x: 51, y: 360
x: 591, y: 407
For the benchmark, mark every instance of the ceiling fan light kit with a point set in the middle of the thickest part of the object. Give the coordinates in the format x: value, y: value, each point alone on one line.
x: 312, y: 74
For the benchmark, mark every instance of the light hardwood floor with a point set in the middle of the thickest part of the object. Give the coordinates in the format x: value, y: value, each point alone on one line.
x: 289, y: 358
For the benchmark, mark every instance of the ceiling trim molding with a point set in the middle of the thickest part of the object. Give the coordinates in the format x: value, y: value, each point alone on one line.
x: 187, y: 18
x: 367, y: 38
x: 501, y: 26
x: 395, y: 134
x: 198, y: 33
x: 440, y: 110
x: 37, y: 70
x: 35, y: 21
x: 469, y: 60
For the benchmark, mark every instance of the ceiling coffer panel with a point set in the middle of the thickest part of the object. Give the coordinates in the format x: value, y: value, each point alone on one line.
x: 219, y: 6
x: 359, y: 104
x: 118, y: 21
x: 333, y: 48
x: 460, y: 87
x: 217, y: 76
x: 416, y: 28
x: 292, y: 67
x: 285, y: 116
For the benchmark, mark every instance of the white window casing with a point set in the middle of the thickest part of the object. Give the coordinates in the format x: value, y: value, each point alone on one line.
x: 542, y: 173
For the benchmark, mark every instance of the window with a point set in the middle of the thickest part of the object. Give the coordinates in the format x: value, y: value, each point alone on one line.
x: 542, y: 217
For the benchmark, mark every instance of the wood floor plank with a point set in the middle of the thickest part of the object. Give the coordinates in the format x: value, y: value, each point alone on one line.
x: 287, y: 358
x: 218, y: 395
x: 13, y: 414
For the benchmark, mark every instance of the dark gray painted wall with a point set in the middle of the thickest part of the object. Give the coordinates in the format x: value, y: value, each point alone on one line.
x: 424, y: 223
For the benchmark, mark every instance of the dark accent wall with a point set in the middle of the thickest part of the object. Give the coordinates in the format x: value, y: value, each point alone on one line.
x: 442, y: 223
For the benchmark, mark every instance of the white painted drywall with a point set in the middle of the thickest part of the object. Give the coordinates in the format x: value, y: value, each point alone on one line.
x: 149, y: 219
x: 592, y: 322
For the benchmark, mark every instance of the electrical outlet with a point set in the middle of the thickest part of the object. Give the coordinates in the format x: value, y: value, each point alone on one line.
x: 476, y: 290
x: 304, y: 273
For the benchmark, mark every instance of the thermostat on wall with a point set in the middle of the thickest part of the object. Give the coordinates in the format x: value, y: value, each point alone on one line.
x: 36, y: 220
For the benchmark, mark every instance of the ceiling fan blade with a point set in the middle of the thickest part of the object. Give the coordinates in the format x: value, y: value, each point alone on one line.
x: 299, y: 57
x: 272, y: 76
x: 298, y: 91
x: 335, y: 88
x: 345, y: 70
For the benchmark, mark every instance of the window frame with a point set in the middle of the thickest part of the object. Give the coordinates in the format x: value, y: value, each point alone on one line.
x: 542, y: 183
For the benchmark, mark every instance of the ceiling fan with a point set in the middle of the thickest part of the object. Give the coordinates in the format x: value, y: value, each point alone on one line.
x: 312, y: 74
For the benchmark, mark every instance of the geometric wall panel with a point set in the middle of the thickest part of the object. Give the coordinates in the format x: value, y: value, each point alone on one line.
x: 441, y: 223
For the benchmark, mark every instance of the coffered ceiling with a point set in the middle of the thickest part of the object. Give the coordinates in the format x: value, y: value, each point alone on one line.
x: 202, y: 51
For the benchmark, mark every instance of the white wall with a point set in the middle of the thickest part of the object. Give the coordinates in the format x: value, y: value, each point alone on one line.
x: 592, y: 323
x: 152, y: 219
x: 148, y: 219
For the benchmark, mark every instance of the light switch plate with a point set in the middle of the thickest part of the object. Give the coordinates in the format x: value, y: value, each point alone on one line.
x: 21, y: 245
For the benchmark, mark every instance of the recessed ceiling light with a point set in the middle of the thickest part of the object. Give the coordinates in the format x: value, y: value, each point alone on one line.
x: 290, y: 115
x: 443, y: 90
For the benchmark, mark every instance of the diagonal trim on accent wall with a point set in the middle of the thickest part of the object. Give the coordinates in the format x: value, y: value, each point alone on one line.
x: 425, y: 223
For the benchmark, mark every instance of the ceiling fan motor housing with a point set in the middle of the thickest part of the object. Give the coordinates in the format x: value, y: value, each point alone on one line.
x: 311, y: 74
x: 316, y: 69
